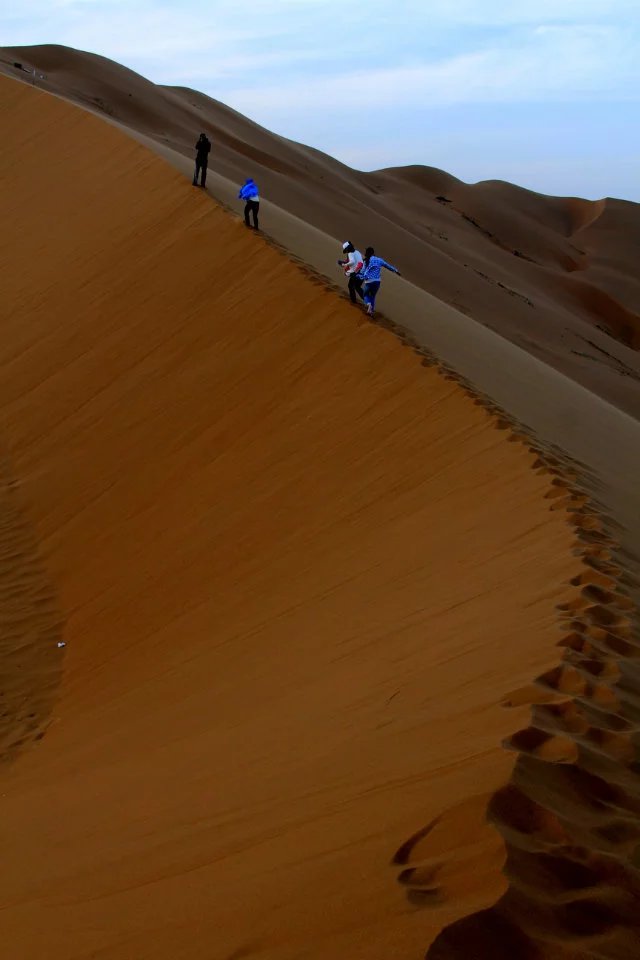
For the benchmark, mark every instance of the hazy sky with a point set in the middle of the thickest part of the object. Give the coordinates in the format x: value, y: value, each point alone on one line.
x: 545, y: 93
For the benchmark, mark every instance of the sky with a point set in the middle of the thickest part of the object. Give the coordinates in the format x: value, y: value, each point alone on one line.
x: 543, y: 93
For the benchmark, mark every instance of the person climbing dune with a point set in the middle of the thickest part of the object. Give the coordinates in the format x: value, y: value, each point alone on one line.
x: 203, y: 148
x: 352, y: 267
x: 371, y: 277
x: 251, y: 195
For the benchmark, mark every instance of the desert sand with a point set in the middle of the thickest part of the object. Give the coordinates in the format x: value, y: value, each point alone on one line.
x: 351, y: 652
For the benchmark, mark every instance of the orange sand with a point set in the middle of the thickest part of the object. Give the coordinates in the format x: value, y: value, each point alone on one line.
x: 304, y: 582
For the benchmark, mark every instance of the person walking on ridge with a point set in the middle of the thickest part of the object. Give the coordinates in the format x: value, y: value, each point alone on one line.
x: 250, y: 194
x: 371, y: 277
x: 203, y: 147
x: 353, y: 269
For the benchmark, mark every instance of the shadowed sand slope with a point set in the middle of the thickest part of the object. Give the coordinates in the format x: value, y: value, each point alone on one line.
x: 301, y: 574
x: 556, y: 276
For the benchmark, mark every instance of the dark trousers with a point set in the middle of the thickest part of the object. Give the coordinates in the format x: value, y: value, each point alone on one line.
x: 201, y: 165
x: 252, y: 207
x: 355, y: 287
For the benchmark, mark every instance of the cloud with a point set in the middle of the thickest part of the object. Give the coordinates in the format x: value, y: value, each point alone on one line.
x: 550, y: 63
x: 141, y: 29
x: 276, y: 34
x: 495, y: 13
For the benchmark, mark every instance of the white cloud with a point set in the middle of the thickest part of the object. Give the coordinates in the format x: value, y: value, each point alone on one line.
x: 493, y: 13
x: 551, y: 63
x: 277, y: 32
x: 121, y: 29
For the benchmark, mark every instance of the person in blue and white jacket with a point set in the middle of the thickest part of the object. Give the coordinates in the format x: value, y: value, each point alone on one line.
x: 370, y: 275
x: 250, y: 194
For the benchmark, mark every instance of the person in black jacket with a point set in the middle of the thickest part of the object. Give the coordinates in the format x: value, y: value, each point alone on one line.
x: 203, y: 146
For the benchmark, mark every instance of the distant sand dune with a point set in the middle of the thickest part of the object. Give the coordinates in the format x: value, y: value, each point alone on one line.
x: 609, y: 314
x: 583, y: 213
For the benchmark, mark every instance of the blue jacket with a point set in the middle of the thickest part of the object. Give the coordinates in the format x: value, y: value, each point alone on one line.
x: 248, y: 191
x: 371, y: 270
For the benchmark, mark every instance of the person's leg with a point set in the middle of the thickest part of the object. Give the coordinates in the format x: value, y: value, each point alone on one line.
x: 370, y: 296
x: 203, y: 181
x: 195, y: 173
x: 247, y: 208
x: 255, y: 207
x: 355, y: 287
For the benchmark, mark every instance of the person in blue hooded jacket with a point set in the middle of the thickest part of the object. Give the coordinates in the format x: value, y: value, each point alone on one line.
x: 371, y: 279
x: 249, y: 193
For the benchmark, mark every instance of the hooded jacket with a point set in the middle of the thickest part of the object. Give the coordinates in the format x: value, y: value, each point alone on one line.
x: 373, y: 267
x: 249, y: 191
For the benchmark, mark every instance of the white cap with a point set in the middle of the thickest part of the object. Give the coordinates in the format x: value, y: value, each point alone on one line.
x: 346, y: 244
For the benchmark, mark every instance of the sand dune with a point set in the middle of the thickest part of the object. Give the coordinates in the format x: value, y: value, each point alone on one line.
x: 503, y: 255
x: 339, y: 643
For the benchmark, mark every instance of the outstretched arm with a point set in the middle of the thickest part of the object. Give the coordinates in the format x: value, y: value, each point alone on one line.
x: 387, y: 266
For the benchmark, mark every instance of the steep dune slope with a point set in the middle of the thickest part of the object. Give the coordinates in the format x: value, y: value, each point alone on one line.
x: 533, y: 268
x: 300, y: 574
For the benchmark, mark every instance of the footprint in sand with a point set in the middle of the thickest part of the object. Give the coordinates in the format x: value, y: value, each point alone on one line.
x: 420, y: 873
x: 545, y: 746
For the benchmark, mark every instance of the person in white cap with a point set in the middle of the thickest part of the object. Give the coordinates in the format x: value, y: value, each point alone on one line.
x: 352, y: 267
